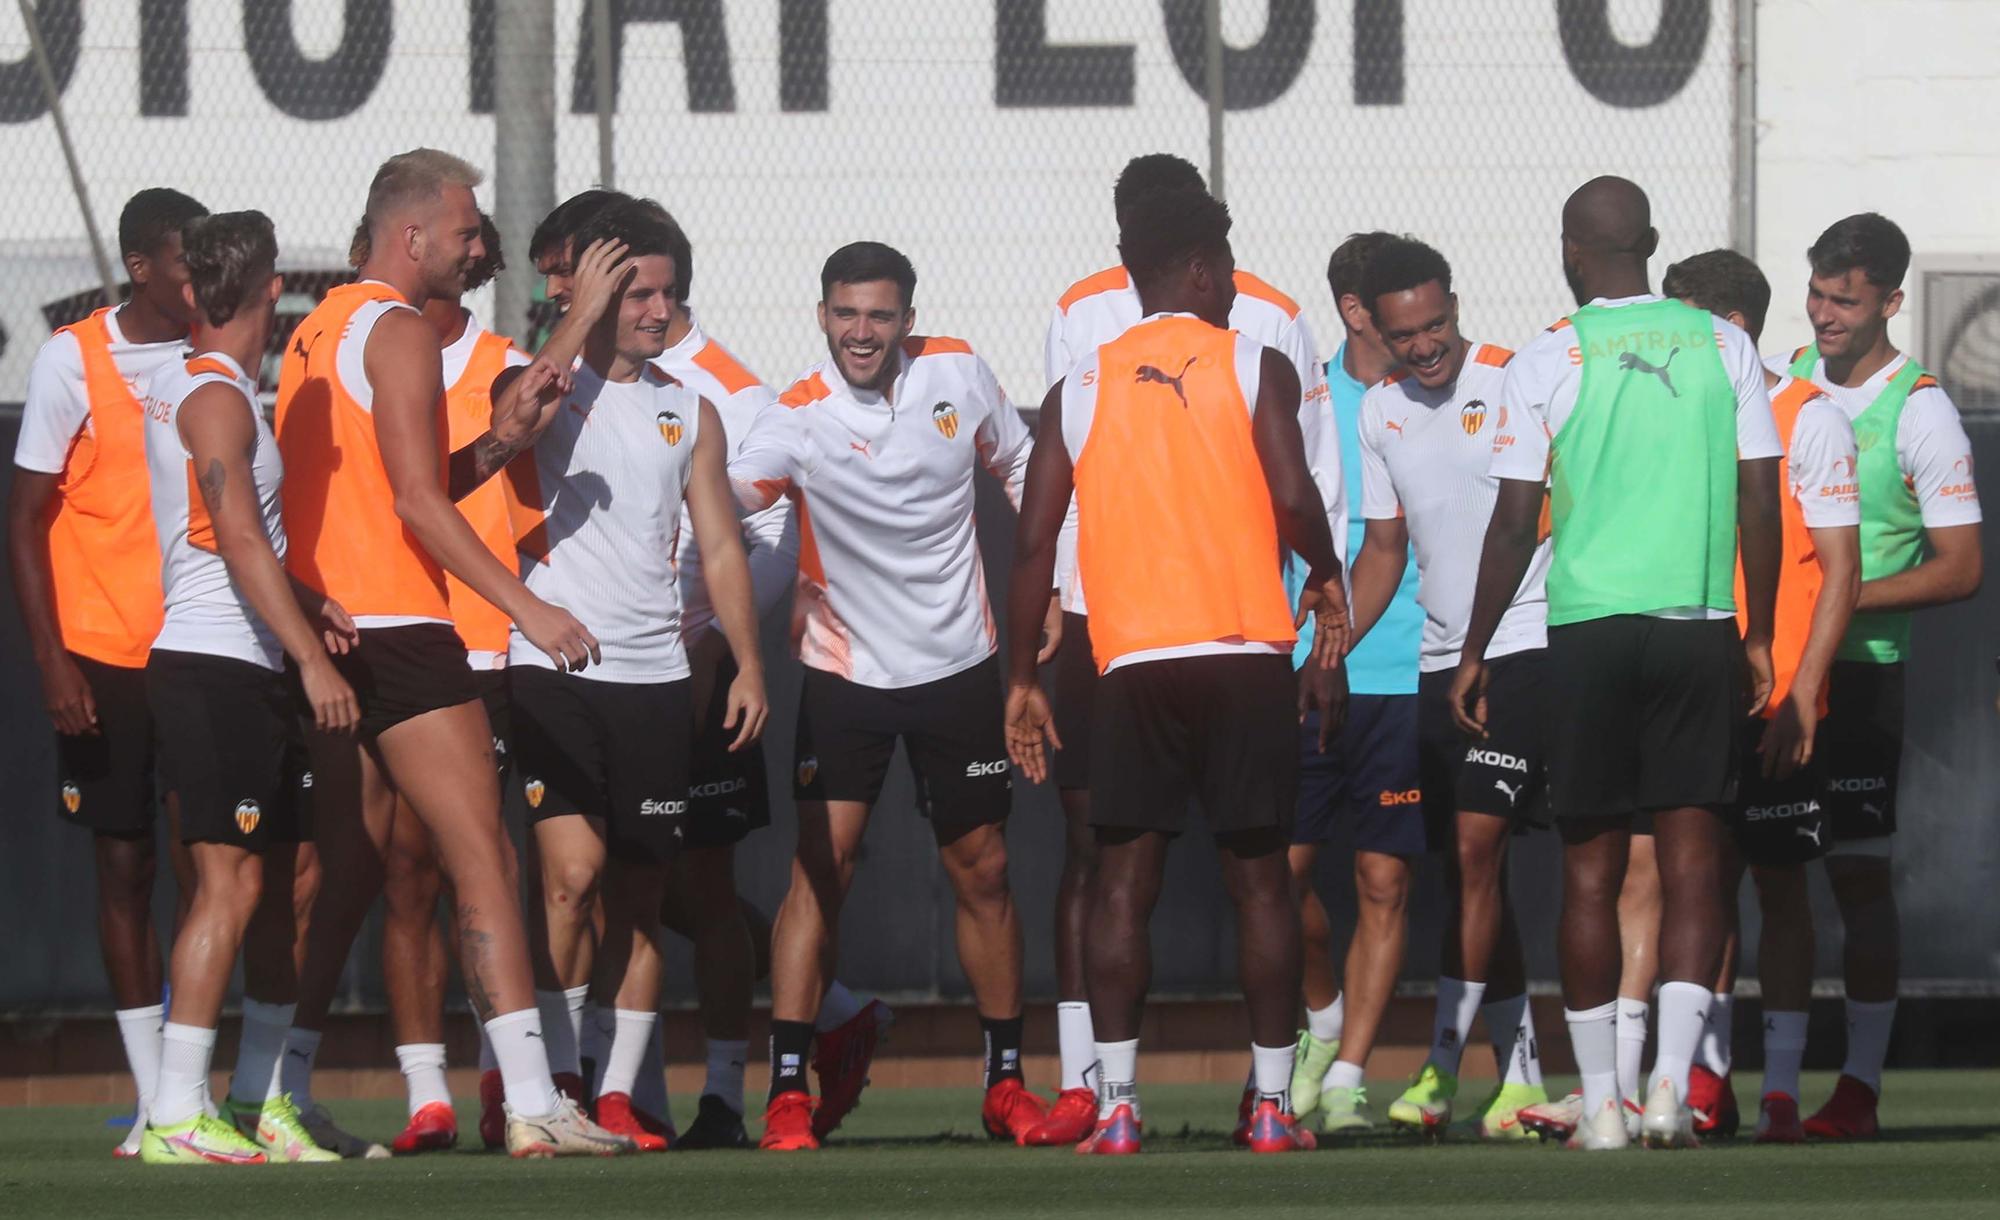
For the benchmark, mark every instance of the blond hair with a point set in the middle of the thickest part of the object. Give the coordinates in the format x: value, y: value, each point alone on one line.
x: 417, y: 176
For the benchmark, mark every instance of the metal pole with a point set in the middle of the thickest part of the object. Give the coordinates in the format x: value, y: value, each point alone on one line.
x: 524, y: 148
x: 1743, y: 171
x: 1211, y: 20
x: 600, y: 25
x: 53, y: 96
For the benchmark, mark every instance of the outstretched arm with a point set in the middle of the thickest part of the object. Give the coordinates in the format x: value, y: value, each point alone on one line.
x: 719, y: 537
x: 1295, y: 501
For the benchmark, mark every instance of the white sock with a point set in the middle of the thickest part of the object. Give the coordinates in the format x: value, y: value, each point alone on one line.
x: 1784, y: 1052
x: 632, y: 1029
x: 295, y: 1073
x: 520, y: 1047
x: 599, y: 1031
x: 1511, y: 1025
x: 726, y: 1057
x: 423, y: 1073
x: 139, y: 1029
x: 1631, y: 1046
x: 487, y: 1063
x: 1457, y: 1003
x: 1271, y: 1068
x: 1868, y: 1028
x: 1684, y: 1009
x: 185, y: 1052
x: 258, y: 1050
x: 649, y: 1092
x: 1342, y: 1075
x: 1715, y: 1043
x: 1593, y: 1039
x: 560, y: 1028
x: 1076, y: 1040
x: 1117, y: 1077
x: 1326, y: 1023
x: 837, y: 1008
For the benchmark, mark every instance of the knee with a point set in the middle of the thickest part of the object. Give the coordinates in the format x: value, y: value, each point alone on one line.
x: 1382, y: 890
x: 570, y: 884
x: 1859, y: 882
x: 126, y: 867
x: 981, y: 878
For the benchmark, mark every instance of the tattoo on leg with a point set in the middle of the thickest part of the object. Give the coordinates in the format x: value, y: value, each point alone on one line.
x: 475, y: 949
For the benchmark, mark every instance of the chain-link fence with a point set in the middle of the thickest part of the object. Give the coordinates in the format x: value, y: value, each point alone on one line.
x: 982, y: 138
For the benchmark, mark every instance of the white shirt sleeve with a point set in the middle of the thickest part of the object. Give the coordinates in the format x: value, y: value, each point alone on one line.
x: 1936, y: 456
x: 1756, y: 427
x: 1056, y: 356
x: 1822, y: 466
x: 772, y: 459
x: 1521, y: 434
x: 56, y: 408
x: 771, y: 541
x: 1003, y: 439
x: 1379, y: 501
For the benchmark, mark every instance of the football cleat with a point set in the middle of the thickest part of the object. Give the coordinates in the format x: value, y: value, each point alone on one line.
x: 1554, y: 1120
x: 616, y: 1115
x: 1117, y: 1135
x: 715, y: 1125
x: 563, y: 1132
x: 572, y: 1086
x: 1310, y: 1062
x: 201, y: 1140
x: 841, y: 1057
x: 1344, y: 1111
x: 135, y: 1139
x: 1604, y: 1131
x: 1778, y: 1120
x: 1667, y: 1123
x: 1426, y: 1105
x: 1713, y: 1100
x: 789, y: 1124
x: 1635, y: 1118
x: 1069, y: 1121
x: 1273, y: 1130
x: 1499, y: 1116
x: 1848, y: 1115
x: 492, y: 1109
x: 1011, y: 1111
x: 1246, y: 1106
x: 327, y: 1134
x: 433, y: 1128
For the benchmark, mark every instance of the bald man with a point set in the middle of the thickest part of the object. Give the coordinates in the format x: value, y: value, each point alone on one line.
x: 1659, y: 417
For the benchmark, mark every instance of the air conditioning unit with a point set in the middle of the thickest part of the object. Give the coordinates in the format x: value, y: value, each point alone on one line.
x: 1954, y: 302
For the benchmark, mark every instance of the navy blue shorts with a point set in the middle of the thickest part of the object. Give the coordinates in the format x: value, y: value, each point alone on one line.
x: 1365, y: 787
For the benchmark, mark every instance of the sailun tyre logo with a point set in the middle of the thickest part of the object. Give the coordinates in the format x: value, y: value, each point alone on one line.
x: 945, y: 416
x: 247, y: 816
x: 671, y: 428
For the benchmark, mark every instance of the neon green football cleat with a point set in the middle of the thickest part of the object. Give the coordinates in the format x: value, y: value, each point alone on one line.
x: 1309, y: 1065
x: 1426, y: 1105
x: 276, y: 1128
x: 200, y: 1140
x: 1345, y: 1111
x: 1499, y: 1116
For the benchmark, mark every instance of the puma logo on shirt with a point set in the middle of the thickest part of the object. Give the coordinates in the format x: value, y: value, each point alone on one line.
x: 1148, y: 373
x: 1634, y: 362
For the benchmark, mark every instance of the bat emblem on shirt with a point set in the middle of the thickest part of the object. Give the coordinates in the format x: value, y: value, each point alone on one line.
x: 247, y: 816
x: 72, y: 797
x: 945, y: 416
x: 1472, y: 416
x: 533, y: 790
x: 1633, y: 362
x: 1148, y: 373
x: 671, y: 427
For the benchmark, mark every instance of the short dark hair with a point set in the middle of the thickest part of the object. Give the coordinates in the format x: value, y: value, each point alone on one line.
x: 864, y: 262
x: 1867, y: 241
x: 152, y: 216
x: 1399, y: 265
x: 492, y: 262
x: 230, y: 255
x: 1164, y: 227
x: 568, y: 216
x: 1151, y: 172
x: 645, y: 228
x: 1722, y: 282
x: 1350, y: 258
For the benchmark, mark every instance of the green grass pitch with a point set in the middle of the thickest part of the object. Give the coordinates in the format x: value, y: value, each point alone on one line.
x: 920, y: 1152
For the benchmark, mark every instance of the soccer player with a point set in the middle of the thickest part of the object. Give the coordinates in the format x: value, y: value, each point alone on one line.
x: 1779, y: 818
x: 86, y: 569
x: 216, y: 683
x: 877, y: 446
x: 1426, y: 438
x: 1649, y: 424
x: 1919, y: 548
x: 373, y: 525
x: 1181, y: 442
x: 1094, y: 311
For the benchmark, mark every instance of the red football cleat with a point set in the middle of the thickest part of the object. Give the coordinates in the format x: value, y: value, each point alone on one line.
x: 615, y: 1114
x: 788, y: 1123
x: 433, y: 1128
x: 1011, y: 1111
x: 1244, y: 1109
x: 492, y: 1119
x: 840, y: 1059
x: 1273, y: 1130
x: 1070, y: 1121
x: 1778, y: 1120
x: 1848, y: 1115
x: 1114, y: 1136
x: 1713, y: 1100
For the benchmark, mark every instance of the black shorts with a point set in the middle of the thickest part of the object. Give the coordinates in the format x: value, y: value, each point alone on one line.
x: 1778, y: 823
x: 400, y: 673
x: 1221, y: 729
x: 1861, y: 740
x: 1072, y: 692
x: 1643, y: 715
x: 104, y: 780
x: 1366, y: 787
x: 617, y: 751
x: 229, y: 735
x: 952, y: 729
x: 1505, y: 775
x: 491, y: 687
x: 729, y: 795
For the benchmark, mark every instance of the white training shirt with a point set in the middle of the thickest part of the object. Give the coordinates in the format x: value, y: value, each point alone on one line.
x: 609, y: 478
x: 1424, y: 458
x: 1821, y: 462
x: 1932, y: 449
x: 57, y: 406
x: 770, y: 538
x: 891, y: 590
x: 1101, y: 307
x: 206, y: 613
x: 1540, y: 391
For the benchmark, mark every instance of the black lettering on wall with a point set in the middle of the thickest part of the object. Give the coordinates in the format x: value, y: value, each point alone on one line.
x: 711, y: 86
x: 21, y: 96
x: 1028, y: 72
x: 802, y: 55
x: 318, y: 89
x: 479, y: 79
x: 163, y: 58
x: 1628, y: 76
x: 1252, y: 76
x: 1378, y: 52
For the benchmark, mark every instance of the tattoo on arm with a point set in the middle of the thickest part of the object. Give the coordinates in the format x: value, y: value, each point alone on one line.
x: 478, y: 462
x: 212, y: 481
